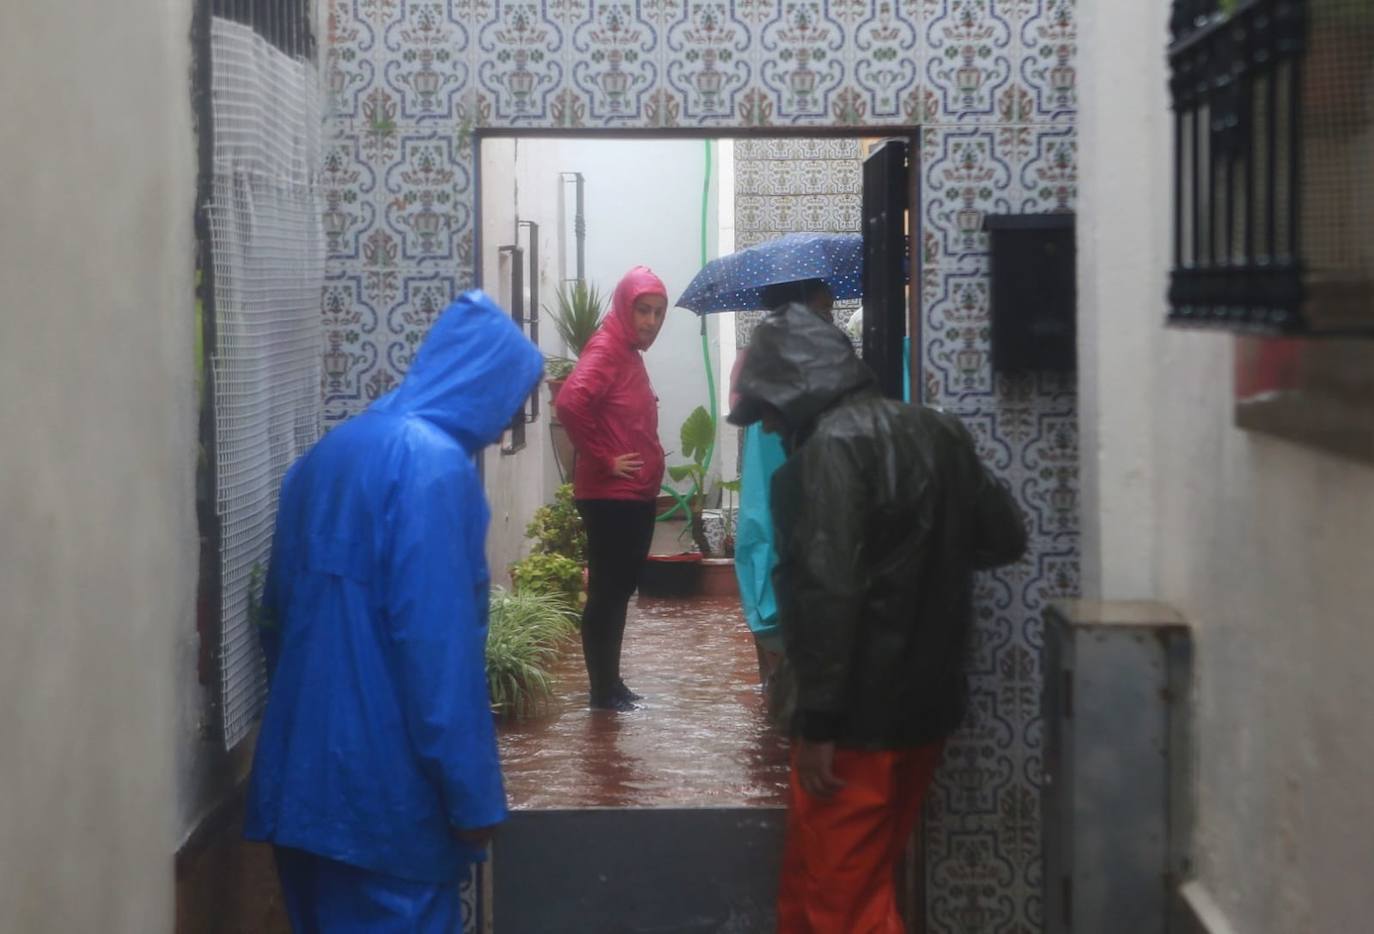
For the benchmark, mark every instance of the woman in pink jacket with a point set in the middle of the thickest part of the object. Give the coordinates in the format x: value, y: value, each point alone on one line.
x: 611, y: 414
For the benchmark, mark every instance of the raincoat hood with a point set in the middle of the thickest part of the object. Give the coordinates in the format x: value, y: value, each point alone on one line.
x: 620, y: 323
x: 800, y: 365
x: 471, y: 374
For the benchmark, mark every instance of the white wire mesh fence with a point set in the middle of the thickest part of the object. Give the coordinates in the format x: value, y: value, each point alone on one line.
x: 268, y: 250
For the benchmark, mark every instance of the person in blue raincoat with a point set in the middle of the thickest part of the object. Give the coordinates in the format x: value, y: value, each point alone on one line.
x: 376, y: 776
x: 755, y: 557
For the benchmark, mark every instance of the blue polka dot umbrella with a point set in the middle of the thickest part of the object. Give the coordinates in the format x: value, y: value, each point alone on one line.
x: 736, y: 282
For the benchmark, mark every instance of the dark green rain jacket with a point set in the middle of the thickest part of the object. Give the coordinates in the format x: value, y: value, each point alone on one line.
x: 883, y: 513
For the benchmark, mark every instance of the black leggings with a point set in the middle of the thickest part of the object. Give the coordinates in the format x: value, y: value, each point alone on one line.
x: 619, y: 533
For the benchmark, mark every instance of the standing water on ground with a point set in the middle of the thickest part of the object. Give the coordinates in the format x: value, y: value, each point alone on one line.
x: 701, y: 737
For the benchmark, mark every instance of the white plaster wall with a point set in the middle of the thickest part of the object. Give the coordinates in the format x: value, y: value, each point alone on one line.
x: 644, y: 207
x: 1266, y: 546
x: 1123, y: 238
x: 97, y: 559
x: 520, y: 179
x: 727, y: 436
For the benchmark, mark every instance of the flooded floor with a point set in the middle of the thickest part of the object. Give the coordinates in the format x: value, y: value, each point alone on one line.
x: 701, y: 738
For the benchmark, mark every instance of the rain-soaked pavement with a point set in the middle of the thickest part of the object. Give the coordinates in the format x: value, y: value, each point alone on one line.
x: 701, y: 738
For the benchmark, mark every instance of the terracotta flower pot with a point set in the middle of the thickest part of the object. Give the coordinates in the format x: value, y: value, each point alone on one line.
x: 554, y: 386
x: 718, y: 578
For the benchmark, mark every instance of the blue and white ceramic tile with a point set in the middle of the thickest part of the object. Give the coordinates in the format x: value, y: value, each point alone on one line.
x: 428, y: 196
x: 884, y: 57
x: 965, y: 177
x: 992, y: 81
x: 426, y: 64
x: 1047, y: 179
x: 1048, y: 40
x: 968, y: 56
x: 707, y: 64
x: 350, y: 67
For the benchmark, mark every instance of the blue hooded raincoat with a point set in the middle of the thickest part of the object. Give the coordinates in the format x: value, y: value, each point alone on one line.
x: 378, y: 737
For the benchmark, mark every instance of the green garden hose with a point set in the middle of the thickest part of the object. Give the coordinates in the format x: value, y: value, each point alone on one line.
x: 681, y: 498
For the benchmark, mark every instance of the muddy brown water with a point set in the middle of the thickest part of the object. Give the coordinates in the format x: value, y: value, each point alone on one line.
x: 700, y: 739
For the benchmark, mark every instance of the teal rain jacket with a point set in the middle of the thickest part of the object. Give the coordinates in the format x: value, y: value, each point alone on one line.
x: 378, y: 737
x: 755, y: 557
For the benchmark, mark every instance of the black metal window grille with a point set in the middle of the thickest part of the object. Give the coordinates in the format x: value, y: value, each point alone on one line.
x: 285, y: 24
x: 1236, y: 70
x: 526, y: 317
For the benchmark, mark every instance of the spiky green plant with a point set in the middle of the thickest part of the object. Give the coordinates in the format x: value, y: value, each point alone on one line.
x: 578, y: 314
x: 526, y: 633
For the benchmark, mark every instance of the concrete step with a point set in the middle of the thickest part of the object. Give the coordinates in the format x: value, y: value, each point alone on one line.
x: 637, y: 871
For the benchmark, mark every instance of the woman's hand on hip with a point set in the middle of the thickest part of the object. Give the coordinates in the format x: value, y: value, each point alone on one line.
x: 627, y: 465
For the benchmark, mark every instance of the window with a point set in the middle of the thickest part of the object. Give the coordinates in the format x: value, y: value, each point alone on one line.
x: 1274, y: 193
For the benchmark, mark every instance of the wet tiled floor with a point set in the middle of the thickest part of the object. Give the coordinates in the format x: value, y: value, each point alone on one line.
x: 701, y: 738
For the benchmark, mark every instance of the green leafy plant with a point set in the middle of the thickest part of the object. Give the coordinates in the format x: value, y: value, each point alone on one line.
x: 552, y: 575
x: 698, y: 435
x: 556, y: 528
x: 526, y: 634
x: 578, y: 314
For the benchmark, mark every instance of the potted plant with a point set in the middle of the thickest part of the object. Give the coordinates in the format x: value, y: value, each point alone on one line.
x: 710, y: 569
x: 576, y: 319
x: 556, y: 370
x: 698, y: 434
x: 551, y: 575
x: 556, y: 527
x: 556, y: 564
x: 526, y: 633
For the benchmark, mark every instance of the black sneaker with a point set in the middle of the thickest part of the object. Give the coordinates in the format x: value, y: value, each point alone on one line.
x: 615, y: 702
x: 621, y: 691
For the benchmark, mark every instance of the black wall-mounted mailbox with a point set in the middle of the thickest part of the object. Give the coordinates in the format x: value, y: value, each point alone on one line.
x: 1034, y: 296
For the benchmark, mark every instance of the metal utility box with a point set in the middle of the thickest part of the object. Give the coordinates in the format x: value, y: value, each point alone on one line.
x: 1034, y: 292
x: 1116, y: 794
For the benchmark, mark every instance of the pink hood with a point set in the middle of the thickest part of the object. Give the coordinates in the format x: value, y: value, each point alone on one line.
x: 620, y: 323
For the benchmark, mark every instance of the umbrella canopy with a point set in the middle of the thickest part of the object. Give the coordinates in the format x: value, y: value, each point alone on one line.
x: 736, y: 282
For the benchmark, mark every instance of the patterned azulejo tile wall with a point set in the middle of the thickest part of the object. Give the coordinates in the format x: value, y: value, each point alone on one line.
x: 991, y: 85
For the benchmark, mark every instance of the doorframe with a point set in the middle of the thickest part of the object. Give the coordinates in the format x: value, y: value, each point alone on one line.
x: 911, y: 133
x: 912, y: 901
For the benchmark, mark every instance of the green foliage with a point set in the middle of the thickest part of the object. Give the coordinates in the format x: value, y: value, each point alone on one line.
x: 578, y: 314
x: 556, y: 528
x: 551, y: 575
x: 698, y: 435
x: 526, y: 633
x: 557, y: 367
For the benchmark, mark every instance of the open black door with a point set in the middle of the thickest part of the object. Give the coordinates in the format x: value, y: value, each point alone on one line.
x: 885, y: 200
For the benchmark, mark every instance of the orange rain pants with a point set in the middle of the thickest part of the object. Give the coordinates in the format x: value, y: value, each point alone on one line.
x: 839, y: 861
